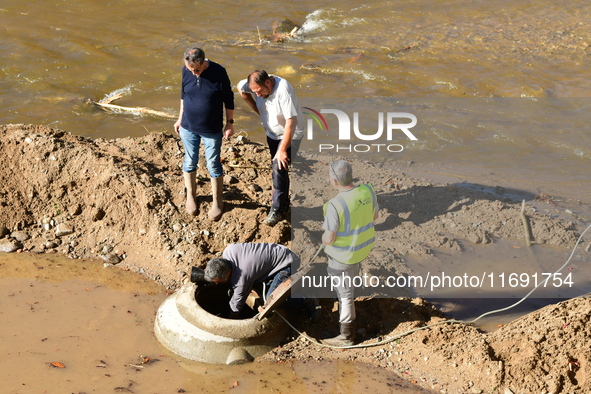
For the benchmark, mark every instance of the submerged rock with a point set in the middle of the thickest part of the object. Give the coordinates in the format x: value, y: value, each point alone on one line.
x: 111, y: 258
x: 284, y: 29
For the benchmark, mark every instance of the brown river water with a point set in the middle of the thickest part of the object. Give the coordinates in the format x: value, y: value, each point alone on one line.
x: 500, y: 90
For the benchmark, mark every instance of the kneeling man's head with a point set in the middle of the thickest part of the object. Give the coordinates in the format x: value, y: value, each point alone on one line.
x: 218, y: 270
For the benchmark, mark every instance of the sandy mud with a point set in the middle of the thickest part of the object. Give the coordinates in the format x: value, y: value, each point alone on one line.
x: 122, y: 200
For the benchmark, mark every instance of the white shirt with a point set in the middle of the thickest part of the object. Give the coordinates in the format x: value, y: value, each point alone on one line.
x: 280, y: 105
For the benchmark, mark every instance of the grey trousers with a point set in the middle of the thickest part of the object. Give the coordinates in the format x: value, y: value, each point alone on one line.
x: 345, y: 290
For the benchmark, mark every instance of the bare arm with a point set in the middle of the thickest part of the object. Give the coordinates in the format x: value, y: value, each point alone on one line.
x: 281, y: 155
x: 177, y: 124
x: 229, y: 129
x: 328, y: 237
x: 250, y: 101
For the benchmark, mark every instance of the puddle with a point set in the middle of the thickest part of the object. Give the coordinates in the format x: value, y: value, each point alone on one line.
x: 94, y: 322
x: 299, y: 377
x: 74, y: 326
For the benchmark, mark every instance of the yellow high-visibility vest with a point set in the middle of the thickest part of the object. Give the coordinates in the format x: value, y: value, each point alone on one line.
x: 356, y: 234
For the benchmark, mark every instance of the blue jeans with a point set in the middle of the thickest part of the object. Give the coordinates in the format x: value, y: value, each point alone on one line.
x: 278, y: 279
x: 213, y: 148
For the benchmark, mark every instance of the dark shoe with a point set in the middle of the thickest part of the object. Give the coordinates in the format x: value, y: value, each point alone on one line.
x: 346, y: 338
x: 274, y: 217
x: 314, y: 309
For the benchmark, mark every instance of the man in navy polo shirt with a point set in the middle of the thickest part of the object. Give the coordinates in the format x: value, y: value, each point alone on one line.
x: 206, y: 91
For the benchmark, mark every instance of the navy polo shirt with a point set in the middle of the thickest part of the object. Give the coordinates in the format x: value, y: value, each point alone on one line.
x: 204, y: 98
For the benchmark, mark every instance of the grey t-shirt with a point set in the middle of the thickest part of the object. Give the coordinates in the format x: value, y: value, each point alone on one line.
x: 331, y: 223
x: 253, y: 263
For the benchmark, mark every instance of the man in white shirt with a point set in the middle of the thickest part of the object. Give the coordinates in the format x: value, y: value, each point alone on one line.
x: 274, y: 99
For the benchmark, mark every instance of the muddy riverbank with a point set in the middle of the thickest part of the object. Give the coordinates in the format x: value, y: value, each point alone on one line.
x: 122, y: 200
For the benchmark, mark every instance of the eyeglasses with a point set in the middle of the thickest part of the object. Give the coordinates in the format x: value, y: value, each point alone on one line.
x: 196, y: 70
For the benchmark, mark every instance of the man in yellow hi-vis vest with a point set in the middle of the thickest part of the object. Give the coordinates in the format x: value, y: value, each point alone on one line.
x: 348, y: 237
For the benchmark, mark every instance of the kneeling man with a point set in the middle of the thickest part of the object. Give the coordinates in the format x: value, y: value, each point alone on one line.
x: 243, y: 265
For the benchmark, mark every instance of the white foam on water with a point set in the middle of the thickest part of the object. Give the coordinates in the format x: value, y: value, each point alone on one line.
x: 125, y: 91
x: 316, y: 21
x: 327, y: 18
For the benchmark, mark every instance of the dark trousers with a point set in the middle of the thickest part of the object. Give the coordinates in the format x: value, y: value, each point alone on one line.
x: 281, y: 177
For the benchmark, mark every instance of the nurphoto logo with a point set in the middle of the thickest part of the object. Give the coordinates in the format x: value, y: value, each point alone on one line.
x: 390, y: 126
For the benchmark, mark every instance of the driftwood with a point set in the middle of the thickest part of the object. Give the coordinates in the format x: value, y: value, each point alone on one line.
x: 526, y: 226
x: 106, y: 104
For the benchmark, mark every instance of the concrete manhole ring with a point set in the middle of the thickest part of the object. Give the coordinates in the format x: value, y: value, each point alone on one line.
x: 184, y: 327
